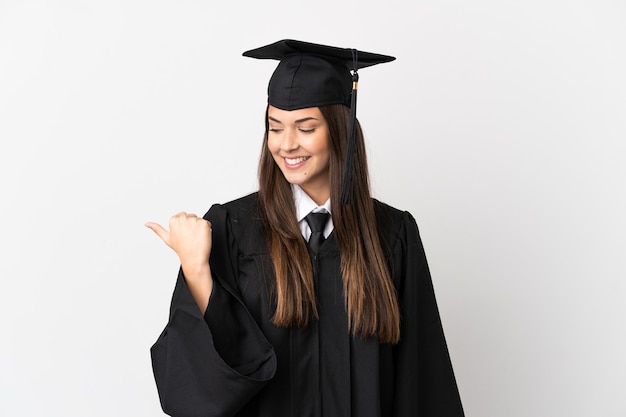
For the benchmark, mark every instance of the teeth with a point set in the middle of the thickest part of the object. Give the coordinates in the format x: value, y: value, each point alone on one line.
x: 294, y: 161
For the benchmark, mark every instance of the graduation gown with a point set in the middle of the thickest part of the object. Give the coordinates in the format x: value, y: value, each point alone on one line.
x: 234, y: 362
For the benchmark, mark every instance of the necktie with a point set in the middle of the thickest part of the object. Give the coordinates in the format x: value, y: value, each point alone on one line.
x: 316, y: 222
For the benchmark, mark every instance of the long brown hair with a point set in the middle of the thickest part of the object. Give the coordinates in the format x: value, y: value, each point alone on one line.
x: 370, y: 295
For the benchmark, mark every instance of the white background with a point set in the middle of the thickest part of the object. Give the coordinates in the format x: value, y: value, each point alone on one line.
x: 501, y: 127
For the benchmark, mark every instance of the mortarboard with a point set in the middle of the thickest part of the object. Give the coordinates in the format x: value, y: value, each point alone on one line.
x: 312, y: 75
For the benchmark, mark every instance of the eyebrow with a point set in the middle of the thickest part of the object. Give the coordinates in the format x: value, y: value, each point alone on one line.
x: 305, y: 119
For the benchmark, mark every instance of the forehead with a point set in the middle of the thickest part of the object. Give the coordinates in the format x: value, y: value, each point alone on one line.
x: 292, y: 116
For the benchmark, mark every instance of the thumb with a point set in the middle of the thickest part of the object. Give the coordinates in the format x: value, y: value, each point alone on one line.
x: 159, y: 230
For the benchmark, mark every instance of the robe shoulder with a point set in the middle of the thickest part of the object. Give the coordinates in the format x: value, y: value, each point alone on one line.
x: 399, y: 234
x: 391, y: 221
x: 240, y: 209
x: 239, y: 222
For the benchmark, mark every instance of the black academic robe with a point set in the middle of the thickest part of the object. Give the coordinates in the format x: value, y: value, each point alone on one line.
x: 234, y: 362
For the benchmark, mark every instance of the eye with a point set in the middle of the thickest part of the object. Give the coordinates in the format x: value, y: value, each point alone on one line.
x: 307, y: 130
x: 275, y: 130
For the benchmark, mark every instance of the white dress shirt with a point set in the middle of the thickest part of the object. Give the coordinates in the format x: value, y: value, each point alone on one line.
x: 305, y: 205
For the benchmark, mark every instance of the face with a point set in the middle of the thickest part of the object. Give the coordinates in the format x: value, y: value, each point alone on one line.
x: 299, y: 143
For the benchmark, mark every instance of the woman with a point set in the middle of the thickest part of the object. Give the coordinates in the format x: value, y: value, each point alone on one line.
x: 298, y: 314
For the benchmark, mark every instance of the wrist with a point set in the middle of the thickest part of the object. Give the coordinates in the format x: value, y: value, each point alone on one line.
x: 198, y: 272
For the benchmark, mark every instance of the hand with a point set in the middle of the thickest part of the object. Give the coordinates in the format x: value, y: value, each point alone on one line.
x: 190, y: 238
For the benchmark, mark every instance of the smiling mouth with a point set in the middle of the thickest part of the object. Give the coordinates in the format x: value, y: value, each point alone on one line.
x: 296, y: 161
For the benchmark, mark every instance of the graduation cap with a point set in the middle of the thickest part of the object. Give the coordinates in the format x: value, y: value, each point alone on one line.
x: 313, y: 75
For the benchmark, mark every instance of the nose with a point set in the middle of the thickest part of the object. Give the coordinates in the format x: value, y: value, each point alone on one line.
x: 289, y: 141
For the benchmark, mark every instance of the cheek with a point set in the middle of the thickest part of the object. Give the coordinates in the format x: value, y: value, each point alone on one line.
x: 324, y: 153
x: 273, y: 146
x: 319, y: 145
x: 325, y: 161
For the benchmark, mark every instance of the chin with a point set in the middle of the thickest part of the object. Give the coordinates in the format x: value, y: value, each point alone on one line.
x: 295, y: 181
x: 292, y: 179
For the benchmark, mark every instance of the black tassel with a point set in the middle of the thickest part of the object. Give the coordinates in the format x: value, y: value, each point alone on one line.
x: 346, y: 183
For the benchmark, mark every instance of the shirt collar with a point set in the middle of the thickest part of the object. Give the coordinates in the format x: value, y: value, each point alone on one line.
x: 305, y: 204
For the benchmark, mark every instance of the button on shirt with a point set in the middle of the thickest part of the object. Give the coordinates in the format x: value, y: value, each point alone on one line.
x: 305, y: 205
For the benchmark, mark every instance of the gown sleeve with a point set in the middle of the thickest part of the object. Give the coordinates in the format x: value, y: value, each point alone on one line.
x: 425, y: 381
x: 211, y: 365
